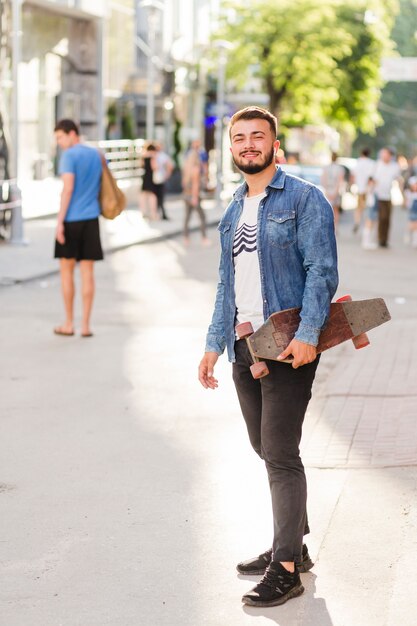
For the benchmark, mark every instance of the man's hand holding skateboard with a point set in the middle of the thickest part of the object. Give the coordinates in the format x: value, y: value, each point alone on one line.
x: 303, y: 353
x: 205, y: 370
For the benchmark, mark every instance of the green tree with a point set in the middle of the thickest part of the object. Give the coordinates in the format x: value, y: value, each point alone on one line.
x: 317, y: 62
x: 398, y: 103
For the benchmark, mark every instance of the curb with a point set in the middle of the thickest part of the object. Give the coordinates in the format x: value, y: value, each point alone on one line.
x: 5, y: 282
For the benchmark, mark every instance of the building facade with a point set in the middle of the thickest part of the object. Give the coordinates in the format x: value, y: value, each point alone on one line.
x: 104, y: 63
x: 71, y: 58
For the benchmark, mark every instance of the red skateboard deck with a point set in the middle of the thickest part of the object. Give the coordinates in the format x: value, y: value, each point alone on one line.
x: 347, y: 320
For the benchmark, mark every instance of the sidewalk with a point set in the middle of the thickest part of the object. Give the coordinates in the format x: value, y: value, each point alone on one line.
x: 35, y: 259
x: 366, y: 402
x: 171, y: 495
x: 363, y: 412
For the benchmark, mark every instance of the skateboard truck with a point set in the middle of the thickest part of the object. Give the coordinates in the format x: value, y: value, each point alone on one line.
x: 259, y: 368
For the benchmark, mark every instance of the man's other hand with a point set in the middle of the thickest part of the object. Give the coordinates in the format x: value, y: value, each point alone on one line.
x: 303, y: 353
x: 205, y: 370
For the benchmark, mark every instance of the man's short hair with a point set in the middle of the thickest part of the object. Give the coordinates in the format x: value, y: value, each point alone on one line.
x: 254, y: 113
x: 67, y: 126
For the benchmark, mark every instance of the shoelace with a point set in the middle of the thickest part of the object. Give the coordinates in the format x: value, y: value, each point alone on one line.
x: 275, y: 580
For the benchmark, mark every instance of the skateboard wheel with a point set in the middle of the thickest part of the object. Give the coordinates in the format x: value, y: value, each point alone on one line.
x: 245, y: 329
x: 346, y: 298
x: 361, y: 341
x: 259, y: 369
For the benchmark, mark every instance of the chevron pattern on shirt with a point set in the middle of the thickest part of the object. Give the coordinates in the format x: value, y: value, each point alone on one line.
x: 245, y: 239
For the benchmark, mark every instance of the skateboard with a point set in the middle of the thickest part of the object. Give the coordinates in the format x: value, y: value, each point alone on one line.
x: 348, y: 319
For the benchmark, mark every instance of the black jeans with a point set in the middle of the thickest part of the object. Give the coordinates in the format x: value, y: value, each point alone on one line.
x: 160, y: 196
x: 274, y: 408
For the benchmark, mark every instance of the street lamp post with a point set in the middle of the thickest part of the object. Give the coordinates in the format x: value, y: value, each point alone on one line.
x: 223, y: 47
x: 153, y: 6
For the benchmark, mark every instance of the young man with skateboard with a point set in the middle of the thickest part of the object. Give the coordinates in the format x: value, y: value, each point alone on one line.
x: 278, y: 251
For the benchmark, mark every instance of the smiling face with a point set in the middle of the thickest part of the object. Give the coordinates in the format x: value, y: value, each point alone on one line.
x: 253, y: 145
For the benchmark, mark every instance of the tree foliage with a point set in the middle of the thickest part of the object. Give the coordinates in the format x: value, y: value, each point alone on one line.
x: 318, y: 62
x: 398, y: 103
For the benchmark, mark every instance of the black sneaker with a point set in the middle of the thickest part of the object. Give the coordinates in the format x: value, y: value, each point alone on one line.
x: 255, y: 566
x: 276, y: 587
x: 258, y: 565
x: 306, y: 563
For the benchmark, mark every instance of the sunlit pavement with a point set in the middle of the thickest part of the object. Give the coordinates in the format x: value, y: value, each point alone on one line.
x: 129, y: 493
x: 34, y: 259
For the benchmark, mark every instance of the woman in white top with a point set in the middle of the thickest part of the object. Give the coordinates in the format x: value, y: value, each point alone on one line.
x: 363, y: 172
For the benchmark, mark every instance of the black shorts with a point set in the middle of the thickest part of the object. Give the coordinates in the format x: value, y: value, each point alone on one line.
x: 82, y: 241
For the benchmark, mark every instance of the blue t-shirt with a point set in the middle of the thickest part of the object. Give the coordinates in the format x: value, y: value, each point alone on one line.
x: 85, y: 163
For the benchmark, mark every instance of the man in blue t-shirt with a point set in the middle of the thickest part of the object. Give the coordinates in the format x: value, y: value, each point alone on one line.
x: 77, y: 231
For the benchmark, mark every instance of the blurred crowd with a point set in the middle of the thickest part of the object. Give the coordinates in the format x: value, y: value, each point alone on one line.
x: 373, y: 181
x: 370, y: 180
x: 158, y: 167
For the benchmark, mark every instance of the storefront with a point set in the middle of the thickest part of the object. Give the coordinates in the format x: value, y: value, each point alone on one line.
x: 59, y: 74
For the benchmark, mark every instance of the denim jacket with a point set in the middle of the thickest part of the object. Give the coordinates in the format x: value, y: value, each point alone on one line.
x: 296, y: 247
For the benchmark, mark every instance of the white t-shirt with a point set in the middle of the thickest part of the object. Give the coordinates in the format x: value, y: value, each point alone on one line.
x: 384, y: 176
x: 162, y: 164
x: 363, y: 172
x: 248, y: 291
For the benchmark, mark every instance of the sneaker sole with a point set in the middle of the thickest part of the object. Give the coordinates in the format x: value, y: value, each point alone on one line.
x: 252, y: 572
x: 303, y: 567
x: 294, y: 593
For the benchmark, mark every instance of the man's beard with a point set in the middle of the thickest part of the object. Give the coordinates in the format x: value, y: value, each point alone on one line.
x: 254, y: 168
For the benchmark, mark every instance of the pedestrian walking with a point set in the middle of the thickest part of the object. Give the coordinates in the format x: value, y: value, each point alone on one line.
x: 77, y: 231
x: 148, y: 200
x: 411, y: 205
x: 386, y: 172
x: 361, y: 175
x: 333, y: 182
x: 369, y: 231
x: 192, y: 174
x: 411, y: 170
x: 161, y: 173
x: 204, y: 163
x: 278, y: 251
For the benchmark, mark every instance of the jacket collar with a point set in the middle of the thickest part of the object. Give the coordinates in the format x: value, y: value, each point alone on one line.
x: 277, y: 182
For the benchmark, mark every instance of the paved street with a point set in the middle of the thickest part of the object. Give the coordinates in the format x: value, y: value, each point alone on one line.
x: 128, y: 492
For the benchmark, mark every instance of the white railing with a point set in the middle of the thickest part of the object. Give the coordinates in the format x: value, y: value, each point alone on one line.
x: 123, y: 156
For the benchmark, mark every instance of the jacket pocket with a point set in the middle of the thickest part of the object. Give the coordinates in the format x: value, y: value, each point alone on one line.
x: 281, y: 229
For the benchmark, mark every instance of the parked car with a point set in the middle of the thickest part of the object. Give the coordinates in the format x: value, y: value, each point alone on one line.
x: 311, y: 173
